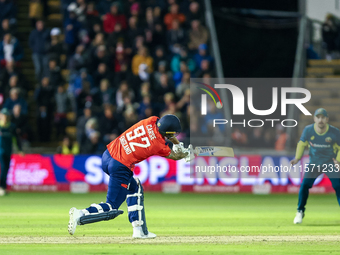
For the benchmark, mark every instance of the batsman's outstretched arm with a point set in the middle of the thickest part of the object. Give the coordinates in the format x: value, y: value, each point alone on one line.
x: 299, y: 152
x: 177, y: 155
x: 174, y: 140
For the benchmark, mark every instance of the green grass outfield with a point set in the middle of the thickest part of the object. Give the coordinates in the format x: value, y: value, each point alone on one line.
x: 36, y: 223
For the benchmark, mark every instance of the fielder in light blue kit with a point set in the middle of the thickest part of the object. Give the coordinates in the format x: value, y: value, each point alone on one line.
x: 323, y: 141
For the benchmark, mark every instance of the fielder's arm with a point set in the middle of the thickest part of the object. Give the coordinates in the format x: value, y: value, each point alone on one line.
x: 337, y: 159
x: 299, y: 151
x: 337, y: 147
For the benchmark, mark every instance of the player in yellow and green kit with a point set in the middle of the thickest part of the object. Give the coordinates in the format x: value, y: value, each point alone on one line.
x: 323, y: 141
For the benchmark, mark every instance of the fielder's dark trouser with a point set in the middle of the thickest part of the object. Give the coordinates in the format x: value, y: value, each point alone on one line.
x: 4, y: 164
x: 309, y: 179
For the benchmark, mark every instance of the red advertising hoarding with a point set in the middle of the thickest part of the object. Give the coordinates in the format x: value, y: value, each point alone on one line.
x: 244, y: 173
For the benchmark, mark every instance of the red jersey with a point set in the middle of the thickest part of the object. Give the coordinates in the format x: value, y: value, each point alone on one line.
x: 139, y: 142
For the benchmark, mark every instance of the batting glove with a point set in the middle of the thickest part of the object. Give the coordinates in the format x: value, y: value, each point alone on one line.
x: 190, y: 155
x: 178, y: 147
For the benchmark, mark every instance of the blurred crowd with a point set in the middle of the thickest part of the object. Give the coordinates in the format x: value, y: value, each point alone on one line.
x: 126, y: 61
x: 260, y: 137
x: 203, y: 131
x: 110, y: 64
x: 13, y: 86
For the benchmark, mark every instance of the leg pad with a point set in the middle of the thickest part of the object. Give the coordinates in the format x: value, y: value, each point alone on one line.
x: 135, y: 202
x: 95, y: 217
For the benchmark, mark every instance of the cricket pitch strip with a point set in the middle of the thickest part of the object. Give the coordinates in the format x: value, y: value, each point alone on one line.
x: 167, y: 239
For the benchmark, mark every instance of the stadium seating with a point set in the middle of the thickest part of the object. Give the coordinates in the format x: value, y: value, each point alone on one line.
x: 323, y: 83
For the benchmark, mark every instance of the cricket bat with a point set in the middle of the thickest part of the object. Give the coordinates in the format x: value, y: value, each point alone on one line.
x: 217, y: 151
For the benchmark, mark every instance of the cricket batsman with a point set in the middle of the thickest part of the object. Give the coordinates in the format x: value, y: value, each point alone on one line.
x: 323, y: 141
x: 142, y: 140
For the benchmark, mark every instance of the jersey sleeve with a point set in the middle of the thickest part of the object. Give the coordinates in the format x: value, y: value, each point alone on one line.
x: 302, y: 143
x: 300, y: 149
x: 337, y: 136
x: 304, y: 135
x: 336, y: 144
x: 165, y: 151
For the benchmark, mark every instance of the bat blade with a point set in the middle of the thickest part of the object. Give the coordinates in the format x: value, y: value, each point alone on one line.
x: 217, y: 151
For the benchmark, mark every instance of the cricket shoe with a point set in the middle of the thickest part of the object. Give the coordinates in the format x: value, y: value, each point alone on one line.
x: 139, y: 234
x: 2, y: 192
x: 299, y: 216
x: 75, y: 215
